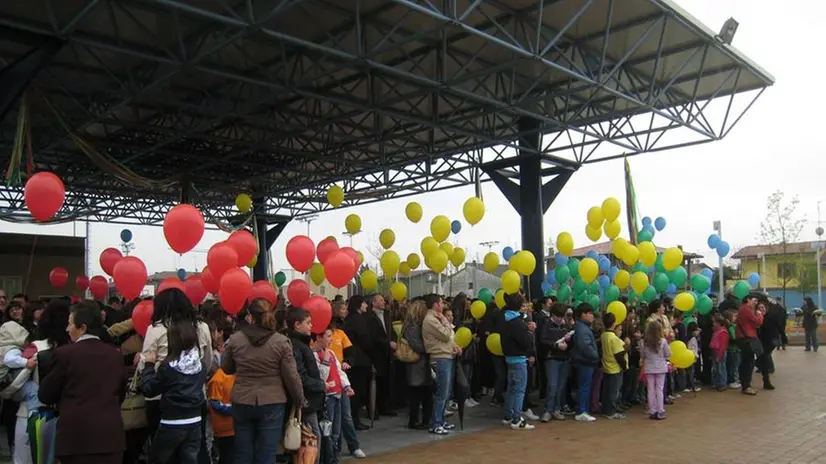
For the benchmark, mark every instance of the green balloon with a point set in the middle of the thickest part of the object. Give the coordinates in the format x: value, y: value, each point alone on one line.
x: 704, y: 305
x: 550, y: 292
x: 644, y: 235
x: 649, y: 294
x: 688, y: 320
x: 741, y: 289
x: 593, y: 300
x: 581, y: 296
x: 580, y: 286
x: 661, y: 282
x: 576, y: 303
x: 612, y: 293
x: 485, y: 295
x: 678, y: 276
x: 280, y: 278
x: 564, y: 293
x: 639, y: 267
x: 593, y: 289
x: 700, y: 283
x: 659, y: 264
x: 573, y: 266
x: 563, y: 274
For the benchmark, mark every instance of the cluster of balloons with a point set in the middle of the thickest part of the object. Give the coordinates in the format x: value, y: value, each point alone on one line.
x: 604, y: 218
x: 337, y: 265
x: 719, y: 245
x: 681, y: 356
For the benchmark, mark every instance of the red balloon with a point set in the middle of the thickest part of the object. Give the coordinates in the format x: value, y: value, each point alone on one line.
x: 183, y: 227
x: 99, y: 287
x: 209, y: 281
x: 172, y: 282
x: 301, y: 253
x: 354, y: 255
x: 142, y: 316
x: 58, y: 277
x: 44, y: 195
x: 194, y: 289
x: 245, y: 245
x: 320, y: 313
x: 298, y: 292
x: 234, y: 289
x: 339, y: 269
x: 221, y: 258
x: 130, y: 277
x: 108, y: 258
x: 265, y: 290
x: 82, y: 283
x: 325, y: 249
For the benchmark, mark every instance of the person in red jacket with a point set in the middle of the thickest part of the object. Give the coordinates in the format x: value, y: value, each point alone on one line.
x: 719, y: 345
x: 749, y: 319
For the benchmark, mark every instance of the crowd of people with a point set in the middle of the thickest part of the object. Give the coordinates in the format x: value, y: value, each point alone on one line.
x: 204, y: 386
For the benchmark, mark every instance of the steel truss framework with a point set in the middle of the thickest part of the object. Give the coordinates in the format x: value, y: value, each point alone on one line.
x: 283, y: 98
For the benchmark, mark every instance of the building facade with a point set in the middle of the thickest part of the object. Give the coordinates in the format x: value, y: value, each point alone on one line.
x: 787, y: 271
x: 27, y: 260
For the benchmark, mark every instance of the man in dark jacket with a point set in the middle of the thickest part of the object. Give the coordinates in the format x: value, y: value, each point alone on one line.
x: 585, y: 357
x: 383, y: 344
x: 554, y: 337
x: 541, y: 315
x: 517, y: 345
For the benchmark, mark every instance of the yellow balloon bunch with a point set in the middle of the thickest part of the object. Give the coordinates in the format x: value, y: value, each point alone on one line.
x: 335, y: 196
x: 413, y: 211
x: 610, y: 212
x: 352, y: 224
x: 387, y: 238
x: 593, y: 229
x: 681, y: 356
x: 473, y: 210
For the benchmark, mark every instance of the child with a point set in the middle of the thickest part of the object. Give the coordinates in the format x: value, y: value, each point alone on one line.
x: 555, y: 336
x: 719, y: 346
x: 338, y: 385
x: 517, y: 343
x: 180, y: 379
x: 693, y: 344
x: 614, y: 362
x: 219, y: 394
x: 732, y: 352
x: 585, y: 358
x: 630, y: 378
x: 655, y: 356
x: 596, y: 381
x: 17, y: 365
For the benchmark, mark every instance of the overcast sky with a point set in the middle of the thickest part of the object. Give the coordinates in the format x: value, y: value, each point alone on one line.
x: 775, y: 146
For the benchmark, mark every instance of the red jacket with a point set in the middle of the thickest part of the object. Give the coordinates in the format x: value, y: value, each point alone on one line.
x: 719, y: 343
x: 748, y: 320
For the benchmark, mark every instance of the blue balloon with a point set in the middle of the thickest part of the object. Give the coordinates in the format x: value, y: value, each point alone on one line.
x: 650, y: 229
x: 455, y: 227
x: 182, y: 274
x: 507, y: 253
x: 659, y: 223
x: 672, y: 289
x: 550, y: 278
x: 604, y: 281
x: 613, y: 272
x: 545, y: 287
x: 723, y: 248
x: 593, y: 255
x: 126, y: 236
x: 560, y: 259
x: 646, y: 221
x: 708, y: 273
x: 708, y: 291
x: 604, y: 264
x: 713, y: 241
x: 754, y: 279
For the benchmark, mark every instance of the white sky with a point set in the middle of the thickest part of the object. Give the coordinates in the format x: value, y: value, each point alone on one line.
x: 773, y: 147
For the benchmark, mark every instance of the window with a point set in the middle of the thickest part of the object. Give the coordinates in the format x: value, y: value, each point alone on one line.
x: 470, y: 285
x: 786, y: 270
x: 322, y: 290
x: 11, y: 285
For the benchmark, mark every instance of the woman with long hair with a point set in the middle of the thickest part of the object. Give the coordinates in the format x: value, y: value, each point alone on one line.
x: 419, y: 378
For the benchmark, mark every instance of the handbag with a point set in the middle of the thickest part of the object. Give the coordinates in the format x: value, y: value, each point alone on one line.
x: 308, y: 451
x: 756, y: 346
x: 292, y: 433
x: 133, y: 408
x: 405, y: 353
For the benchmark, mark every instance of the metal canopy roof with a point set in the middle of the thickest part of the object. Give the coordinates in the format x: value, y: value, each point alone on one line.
x: 283, y: 98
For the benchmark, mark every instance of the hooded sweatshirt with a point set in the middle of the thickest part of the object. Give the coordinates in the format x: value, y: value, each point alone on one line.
x: 517, y: 340
x: 181, y: 384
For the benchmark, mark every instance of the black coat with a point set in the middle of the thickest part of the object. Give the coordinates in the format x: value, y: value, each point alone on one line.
x: 551, y: 333
x: 380, y: 337
x: 314, y: 388
x: 516, y: 339
x: 183, y: 394
x: 358, y: 331
x: 774, y: 326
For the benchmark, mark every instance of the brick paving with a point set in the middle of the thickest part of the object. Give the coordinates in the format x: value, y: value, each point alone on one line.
x: 786, y: 426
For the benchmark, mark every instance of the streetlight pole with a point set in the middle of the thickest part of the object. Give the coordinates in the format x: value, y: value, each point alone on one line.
x: 308, y: 220
x: 718, y: 227
x: 349, y: 235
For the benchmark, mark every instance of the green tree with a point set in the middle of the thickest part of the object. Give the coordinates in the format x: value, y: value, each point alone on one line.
x: 729, y: 274
x: 807, y: 282
x: 781, y: 227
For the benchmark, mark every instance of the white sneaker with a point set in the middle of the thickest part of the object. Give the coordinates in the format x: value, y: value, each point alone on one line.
x: 358, y: 454
x: 528, y: 414
x: 546, y: 417
x: 506, y: 422
x: 469, y: 403
x: 522, y: 425
x: 734, y: 385
x: 453, y: 406
x: 585, y: 417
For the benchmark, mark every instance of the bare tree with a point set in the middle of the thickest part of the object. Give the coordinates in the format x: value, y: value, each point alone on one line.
x: 781, y: 227
x: 374, y: 247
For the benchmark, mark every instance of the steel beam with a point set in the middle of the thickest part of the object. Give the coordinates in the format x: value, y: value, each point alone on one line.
x: 17, y: 75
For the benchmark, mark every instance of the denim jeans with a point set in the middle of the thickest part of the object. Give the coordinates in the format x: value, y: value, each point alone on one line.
x: 177, y: 443
x: 610, y: 389
x: 348, y: 427
x: 811, y: 339
x: 517, y: 384
x: 258, y: 430
x: 334, y: 415
x: 557, y: 372
x: 584, y: 376
x: 733, y: 366
x: 444, y: 376
x: 718, y: 373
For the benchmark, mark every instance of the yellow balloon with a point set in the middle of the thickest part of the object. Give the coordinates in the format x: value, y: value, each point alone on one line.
x: 593, y: 233
x: 413, y: 261
x: 330, y: 237
x: 447, y: 247
x: 413, y: 211
x: 463, y: 337
x: 474, y: 210
x: 253, y: 261
x: 595, y: 217
x: 491, y: 261
x: 524, y: 263
x: 617, y: 245
x: 672, y: 258
x: 335, y: 196
x: 683, y: 359
x: 458, y: 257
x: 429, y: 246
x: 404, y: 269
x: 511, y: 281
x: 390, y: 262
x: 317, y: 273
x: 494, y: 344
x: 438, y: 261
x: 630, y: 255
x: 612, y: 229
x: 369, y: 280
x: 677, y: 346
x: 618, y: 309
x: 499, y: 298
x: 611, y: 209
x: 684, y: 301
x: 588, y: 270
x: 639, y: 281
x: 352, y: 224
x: 478, y: 309
x: 565, y: 243
x: 243, y: 202
x: 622, y: 278
x: 440, y: 228
x: 387, y: 238
x: 398, y: 291
x: 361, y: 256
x: 648, y: 253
